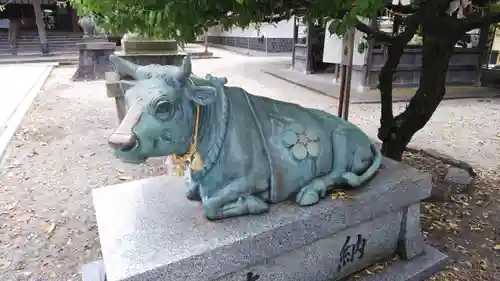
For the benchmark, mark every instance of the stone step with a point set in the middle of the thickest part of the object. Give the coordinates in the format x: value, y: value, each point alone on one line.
x: 36, y: 38
x: 36, y: 50
x: 21, y: 50
x: 51, y: 39
x: 71, y: 45
x: 35, y: 54
x: 37, y: 45
x: 71, y: 40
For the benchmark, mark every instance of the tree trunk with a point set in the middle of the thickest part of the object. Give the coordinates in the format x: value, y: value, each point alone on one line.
x: 397, y: 133
x: 37, y: 6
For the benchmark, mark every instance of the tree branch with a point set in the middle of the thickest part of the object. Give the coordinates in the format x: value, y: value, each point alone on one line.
x: 404, y: 9
x: 477, y: 20
x: 377, y: 35
x: 394, y: 52
x: 411, y: 26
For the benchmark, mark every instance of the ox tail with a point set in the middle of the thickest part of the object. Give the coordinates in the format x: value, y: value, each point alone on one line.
x: 354, y: 180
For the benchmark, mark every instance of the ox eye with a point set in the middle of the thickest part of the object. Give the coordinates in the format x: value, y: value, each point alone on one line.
x: 163, y: 110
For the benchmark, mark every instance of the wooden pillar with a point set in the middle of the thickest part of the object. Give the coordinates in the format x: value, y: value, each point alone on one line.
x: 205, y: 38
x: 486, y: 39
x: 74, y: 20
x: 37, y: 7
x: 309, y: 69
x: 294, y: 41
x: 369, y: 57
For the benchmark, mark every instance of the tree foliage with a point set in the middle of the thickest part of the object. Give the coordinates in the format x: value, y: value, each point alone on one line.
x: 189, y: 17
x: 434, y: 20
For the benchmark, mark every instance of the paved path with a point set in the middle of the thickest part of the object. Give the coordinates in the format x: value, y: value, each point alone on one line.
x: 20, y: 84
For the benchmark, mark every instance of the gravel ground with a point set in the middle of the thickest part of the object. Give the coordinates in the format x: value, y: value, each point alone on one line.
x: 47, y: 223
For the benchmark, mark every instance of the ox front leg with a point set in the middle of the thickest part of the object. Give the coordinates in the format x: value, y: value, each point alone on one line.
x: 240, y: 197
x: 193, y: 191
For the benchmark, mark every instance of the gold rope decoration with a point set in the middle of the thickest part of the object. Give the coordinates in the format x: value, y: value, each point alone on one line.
x: 196, y: 164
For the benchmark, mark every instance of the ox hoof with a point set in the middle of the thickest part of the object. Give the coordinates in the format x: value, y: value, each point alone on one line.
x: 249, y: 205
x: 311, y: 193
x: 211, y: 209
x: 193, y: 193
x: 256, y: 205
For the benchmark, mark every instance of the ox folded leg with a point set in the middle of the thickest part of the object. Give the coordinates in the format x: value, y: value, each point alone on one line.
x: 193, y: 191
x: 249, y: 205
x: 237, y: 198
x: 317, y: 188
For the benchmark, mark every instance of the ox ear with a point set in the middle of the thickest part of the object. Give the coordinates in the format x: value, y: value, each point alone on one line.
x: 201, y: 95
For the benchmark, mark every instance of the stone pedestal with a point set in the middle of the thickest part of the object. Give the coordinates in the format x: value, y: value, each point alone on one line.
x: 154, y: 233
x: 44, y: 47
x: 161, y: 58
x: 114, y: 89
x: 146, y: 46
x: 93, y: 60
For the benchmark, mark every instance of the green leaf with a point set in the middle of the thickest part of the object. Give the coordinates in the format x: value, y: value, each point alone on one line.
x: 495, y: 8
x: 173, y: 18
x: 337, y: 27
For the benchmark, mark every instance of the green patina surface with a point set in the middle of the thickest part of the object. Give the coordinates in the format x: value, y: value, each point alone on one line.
x: 255, y: 150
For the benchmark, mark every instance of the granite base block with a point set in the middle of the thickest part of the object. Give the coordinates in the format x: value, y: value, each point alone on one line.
x: 154, y: 233
x: 418, y: 268
x: 323, y: 259
x: 94, y: 271
x: 45, y: 48
x: 93, y: 60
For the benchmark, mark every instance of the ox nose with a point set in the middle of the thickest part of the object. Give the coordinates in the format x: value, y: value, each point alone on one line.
x: 123, y: 141
x: 123, y: 137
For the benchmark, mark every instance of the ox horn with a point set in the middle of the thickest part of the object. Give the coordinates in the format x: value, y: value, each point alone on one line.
x: 124, y: 66
x: 185, y: 69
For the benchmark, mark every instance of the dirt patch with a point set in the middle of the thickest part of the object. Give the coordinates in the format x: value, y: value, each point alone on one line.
x: 465, y: 226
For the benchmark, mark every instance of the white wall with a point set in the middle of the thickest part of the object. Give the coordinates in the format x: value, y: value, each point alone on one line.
x: 282, y: 29
x: 334, y: 46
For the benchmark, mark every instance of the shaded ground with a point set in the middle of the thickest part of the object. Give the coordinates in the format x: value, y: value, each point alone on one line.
x: 47, y: 223
x: 464, y: 226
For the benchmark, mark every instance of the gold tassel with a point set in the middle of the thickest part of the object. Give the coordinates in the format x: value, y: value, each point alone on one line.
x: 197, y: 164
x: 179, y: 170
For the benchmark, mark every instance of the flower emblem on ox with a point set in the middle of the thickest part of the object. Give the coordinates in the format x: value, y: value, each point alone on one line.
x: 301, y: 141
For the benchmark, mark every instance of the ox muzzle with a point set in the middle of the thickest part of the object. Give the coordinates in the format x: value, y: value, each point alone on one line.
x: 123, y: 137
